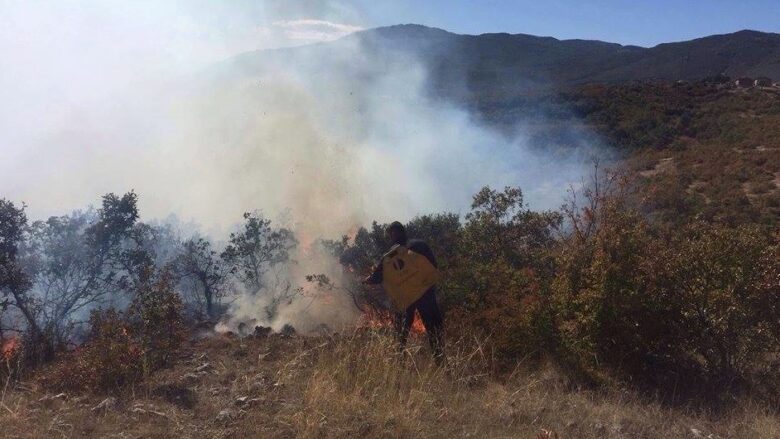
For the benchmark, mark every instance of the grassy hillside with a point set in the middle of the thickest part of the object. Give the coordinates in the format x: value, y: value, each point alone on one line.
x: 356, y: 385
x: 698, y: 148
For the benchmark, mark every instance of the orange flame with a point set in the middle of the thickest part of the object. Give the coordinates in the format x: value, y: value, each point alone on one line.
x: 417, y: 325
x: 376, y: 319
x: 9, y: 348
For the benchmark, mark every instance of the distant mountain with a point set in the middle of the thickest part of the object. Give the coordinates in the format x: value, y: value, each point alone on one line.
x: 491, y: 63
x: 746, y: 52
x: 481, y: 67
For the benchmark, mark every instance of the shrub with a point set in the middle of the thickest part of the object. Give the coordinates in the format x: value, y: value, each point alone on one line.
x: 156, y: 314
x: 603, y: 310
x: 697, y: 303
x: 716, y: 286
x: 108, y: 360
x: 503, y: 263
x: 123, y: 348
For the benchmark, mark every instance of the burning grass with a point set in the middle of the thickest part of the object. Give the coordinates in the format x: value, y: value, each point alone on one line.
x: 356, y: 385
x: 384, y: 320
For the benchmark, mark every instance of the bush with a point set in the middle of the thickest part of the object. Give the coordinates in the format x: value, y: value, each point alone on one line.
x: 123, y: 348
x: 697, y: 304
x: 110, y: 358
x: 603, y: 310
x: 716, y: 285
x: 156, y: 313
x: 503, y: 266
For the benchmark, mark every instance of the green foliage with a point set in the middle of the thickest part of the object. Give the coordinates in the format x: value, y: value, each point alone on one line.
x: 255, y: 249
x: 74, y: 261
x: 13, y: 280
x: 503, y: 260
x: 712, y: 281
x: 659, y: 303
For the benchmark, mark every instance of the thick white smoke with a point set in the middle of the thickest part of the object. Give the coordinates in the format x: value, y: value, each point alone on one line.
x: 319, y: 139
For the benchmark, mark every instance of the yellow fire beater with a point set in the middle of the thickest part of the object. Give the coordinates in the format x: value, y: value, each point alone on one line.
x: 406, y: 276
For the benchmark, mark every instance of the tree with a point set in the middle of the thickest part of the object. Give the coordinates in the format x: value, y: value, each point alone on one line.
x: 14, y: 282
x: 75, y: 262
x: 255, y: 249
x: 500, y: 275
x: 200, y: 265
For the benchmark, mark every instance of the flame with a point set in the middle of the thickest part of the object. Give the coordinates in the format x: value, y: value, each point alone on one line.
x: 417, y: 325
x: 9, y: 348
x: 376, y: 319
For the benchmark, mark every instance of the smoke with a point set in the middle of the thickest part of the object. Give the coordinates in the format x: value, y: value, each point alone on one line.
x: 109, y: 96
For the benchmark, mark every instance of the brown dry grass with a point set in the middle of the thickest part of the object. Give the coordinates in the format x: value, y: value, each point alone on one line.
x: 358, y: 385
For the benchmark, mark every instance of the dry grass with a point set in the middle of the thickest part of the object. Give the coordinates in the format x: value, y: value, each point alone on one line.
x: 358, y: 385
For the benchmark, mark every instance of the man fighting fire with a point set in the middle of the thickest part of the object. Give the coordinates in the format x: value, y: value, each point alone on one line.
x: 408, y: 273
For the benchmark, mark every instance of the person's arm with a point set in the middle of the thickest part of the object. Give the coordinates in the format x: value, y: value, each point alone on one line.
x: 375, y: 277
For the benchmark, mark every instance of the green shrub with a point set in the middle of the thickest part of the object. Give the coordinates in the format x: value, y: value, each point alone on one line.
x: 697, y: 303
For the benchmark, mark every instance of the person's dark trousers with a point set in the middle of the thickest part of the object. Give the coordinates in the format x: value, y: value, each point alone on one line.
x: 432, y: 320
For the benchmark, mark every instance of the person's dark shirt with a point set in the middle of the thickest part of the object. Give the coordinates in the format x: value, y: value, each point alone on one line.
x: 414, y: 245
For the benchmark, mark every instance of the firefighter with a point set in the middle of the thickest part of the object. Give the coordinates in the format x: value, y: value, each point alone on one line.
x: 422, y: 301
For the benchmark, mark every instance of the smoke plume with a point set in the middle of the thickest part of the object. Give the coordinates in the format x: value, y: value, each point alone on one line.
x: 104, y: 96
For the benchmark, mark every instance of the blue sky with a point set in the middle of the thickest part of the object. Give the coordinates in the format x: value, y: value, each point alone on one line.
x: 644, y: 23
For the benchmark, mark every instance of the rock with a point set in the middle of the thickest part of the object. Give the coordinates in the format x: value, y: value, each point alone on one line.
x: 109, y: 403
x: 226, y: 415
x: 142, y: 408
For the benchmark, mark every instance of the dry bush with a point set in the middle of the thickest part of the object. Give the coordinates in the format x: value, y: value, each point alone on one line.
x: 123, y: 348
x: 362, y: 386
x: 156, y: 318
x: 111, y: 358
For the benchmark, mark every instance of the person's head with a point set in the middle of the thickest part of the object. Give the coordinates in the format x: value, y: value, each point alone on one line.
x: 396, y: 233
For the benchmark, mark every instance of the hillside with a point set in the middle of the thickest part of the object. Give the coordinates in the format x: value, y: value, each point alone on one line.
x: 353, y: 386
x: 474, y: 67
x: 698, y: 148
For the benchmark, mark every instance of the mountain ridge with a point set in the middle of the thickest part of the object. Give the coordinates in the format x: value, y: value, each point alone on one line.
x: 742, y: 53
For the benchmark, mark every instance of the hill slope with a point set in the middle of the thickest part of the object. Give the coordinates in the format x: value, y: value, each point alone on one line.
x: 469, y: 66
x: 353, y: 386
